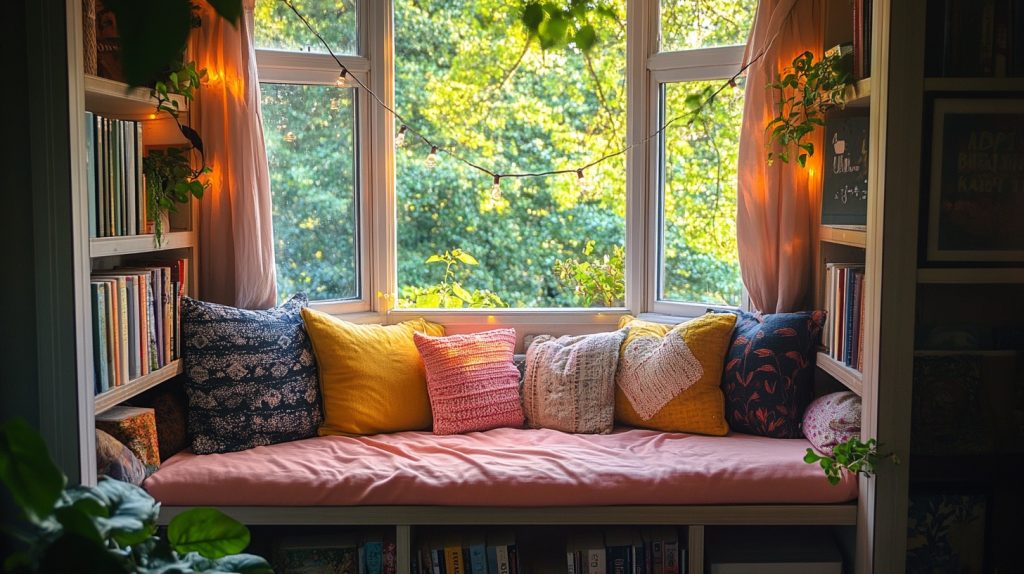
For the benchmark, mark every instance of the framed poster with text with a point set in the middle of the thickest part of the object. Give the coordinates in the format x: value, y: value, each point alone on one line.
x: 976, y: 200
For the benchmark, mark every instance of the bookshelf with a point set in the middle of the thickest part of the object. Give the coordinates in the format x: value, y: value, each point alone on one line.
x: 844, y: 235
x: 970, y: 275
x: 118, y: 395
x: 132, y: 244
x: 850, y: 378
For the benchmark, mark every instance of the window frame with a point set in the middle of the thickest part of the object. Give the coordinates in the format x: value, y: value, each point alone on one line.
x: 647, y: 70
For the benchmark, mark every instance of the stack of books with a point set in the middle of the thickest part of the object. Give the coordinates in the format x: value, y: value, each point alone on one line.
x: 135, y: 327
x: 975, y: 38
x: 624, y: 551
x: 113, y: 163
x: 477, y: 553
x: 372, y: 553
x: 843, y: 335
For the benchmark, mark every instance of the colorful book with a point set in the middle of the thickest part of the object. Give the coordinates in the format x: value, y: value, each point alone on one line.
x: 136, y: 428
x: 99, y: 336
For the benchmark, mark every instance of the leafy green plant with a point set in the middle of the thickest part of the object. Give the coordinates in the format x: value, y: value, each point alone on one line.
x: 111, y: 527
x: 599, y: 281
x: 854, y: 456
x: 556, y: 24
x: 449, y: 293
x: 170, y: 181
x: 805, y: 91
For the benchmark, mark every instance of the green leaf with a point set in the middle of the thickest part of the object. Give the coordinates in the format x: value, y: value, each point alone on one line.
x: 77, y: 521
x: 74, y: 553
x: 586, y: 38
x: 207, y: 531
x: 553, y: 31
x: 428, y: 300
x: 244, y: 564
x: 230, y: 10
x: 33, y: 480
x: 461, y: 293
x: 435, y: 259
x: 465, y: 257
x: 533, y: 15
x: 133, y: 512
x: 811, y: 457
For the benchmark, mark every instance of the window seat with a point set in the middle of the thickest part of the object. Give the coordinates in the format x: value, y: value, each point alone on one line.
x: 503, y: 467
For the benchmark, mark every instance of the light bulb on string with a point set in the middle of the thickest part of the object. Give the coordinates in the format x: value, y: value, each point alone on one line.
x: 496, y: 189
x: 341, y: 81
x: 400, y: 138
x: 585, y: 184
x: 290, y: 137
x: 431, y: 160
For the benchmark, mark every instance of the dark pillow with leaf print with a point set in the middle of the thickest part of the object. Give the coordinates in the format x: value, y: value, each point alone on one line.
x: 768, y: 378
x: 251, y: 376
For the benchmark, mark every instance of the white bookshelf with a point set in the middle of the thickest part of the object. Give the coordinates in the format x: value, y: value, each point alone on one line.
x: 137, y: 386
x: 131, y: 244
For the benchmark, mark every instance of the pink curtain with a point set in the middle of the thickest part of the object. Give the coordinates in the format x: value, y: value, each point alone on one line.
x: 236, y: 245
x: 777, y: 205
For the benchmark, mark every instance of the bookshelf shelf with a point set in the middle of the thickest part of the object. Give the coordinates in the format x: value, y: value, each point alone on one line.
x: 967, y: 276
x: 974, y: 84
x: 117, y: 99
x: 126, y: 245
x: 858, y: 95
x: 118, y: 395
x: 851, y: 378
x: 853, y: 236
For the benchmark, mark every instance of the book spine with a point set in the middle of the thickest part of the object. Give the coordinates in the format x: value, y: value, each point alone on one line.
x: 373, y: 557
x: 102, y: 185
x: 513, y: 559
x: 128, y: 175
x: 112, y: 370
x: 848, y: 329
x: 144, y: 323
x: 671, y: 549
x: 640, y: 559
x: 453, y: 560
x: 90, y: 167
x: 133, y: 328
x: 115, y: 176
x: 168, y: 297
x: 139, y: 181
x: 858, y: 39
x: 154, y: 358
x: 504, y: 567
x: 619, y: 560
x: 478, y: 559
x: 122, y: 290
x: 866, y: 37
x: 99, y: 336
x: 390, y: 553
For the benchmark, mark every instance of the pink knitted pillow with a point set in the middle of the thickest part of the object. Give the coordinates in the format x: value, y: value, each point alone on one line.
x: 832, y: 419
x: 472, y: 382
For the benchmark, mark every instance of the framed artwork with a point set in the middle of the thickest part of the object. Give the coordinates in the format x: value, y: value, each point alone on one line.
x: 976, y: 196
x: 946, y: 531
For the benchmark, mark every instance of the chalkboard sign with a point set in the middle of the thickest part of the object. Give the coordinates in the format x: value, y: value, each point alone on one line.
x: 976, y: 201
x: 844, y: 199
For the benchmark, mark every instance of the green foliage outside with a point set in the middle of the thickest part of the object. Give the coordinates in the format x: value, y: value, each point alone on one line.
x: 596, y: 281
x: 449, y: 293
x: 474, y: 75
x: 110, y: 527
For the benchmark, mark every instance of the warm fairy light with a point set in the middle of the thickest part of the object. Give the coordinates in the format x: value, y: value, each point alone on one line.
x: 335, y: 106
x: 584, y: 182
x: 289, y: 137
x: 152, y: 116
x: 496, y: 189
x: 431, y: 160
x: 341, y: 81
x: 400, y: 138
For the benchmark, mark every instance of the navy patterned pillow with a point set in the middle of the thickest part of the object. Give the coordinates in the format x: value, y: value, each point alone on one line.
x: 768, y: 379
x: 251, y: 376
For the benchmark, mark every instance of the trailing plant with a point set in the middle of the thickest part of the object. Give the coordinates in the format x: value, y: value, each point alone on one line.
x: 853, y: 456
x: 170, y: 180
x: 110, y: 527
x: 804, y: 91
x: 449, y: 293
x: 599, y: 281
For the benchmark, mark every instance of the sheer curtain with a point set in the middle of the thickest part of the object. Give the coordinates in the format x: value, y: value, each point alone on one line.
x: 236, y: 244
x: 777, y: 207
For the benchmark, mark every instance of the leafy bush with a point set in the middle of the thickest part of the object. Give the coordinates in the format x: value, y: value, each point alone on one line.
x: 852, y: 456
x: 601, y: 280
x: 110, y: 527
x: 449, y: 293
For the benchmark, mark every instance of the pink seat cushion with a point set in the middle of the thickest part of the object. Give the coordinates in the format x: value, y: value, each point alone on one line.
x: 502, y: 467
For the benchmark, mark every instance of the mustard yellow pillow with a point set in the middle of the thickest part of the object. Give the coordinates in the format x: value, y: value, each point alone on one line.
x: 371, y: 376
x: 668, y: 377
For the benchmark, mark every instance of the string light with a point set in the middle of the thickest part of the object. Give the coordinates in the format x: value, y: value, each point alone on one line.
x: 335, y: 106
x: 496, y: 189
x: 289, y: 137
x: 431, y: 160
x: 585, y: 185
x: 341, y: 82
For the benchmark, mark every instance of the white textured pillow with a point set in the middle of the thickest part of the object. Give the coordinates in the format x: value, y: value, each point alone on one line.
x: 832, y: 419
x: 570, y: 382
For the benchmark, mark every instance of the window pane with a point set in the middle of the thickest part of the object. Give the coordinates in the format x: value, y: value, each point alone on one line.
x: 278, y: 28
x: 699, y: 262
x: 689, y: 24
x: 467, y: 72
x: 309, y: 131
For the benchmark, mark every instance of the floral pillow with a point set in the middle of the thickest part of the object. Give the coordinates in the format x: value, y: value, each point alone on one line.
x: 832, y: 419
x: 768, y: 379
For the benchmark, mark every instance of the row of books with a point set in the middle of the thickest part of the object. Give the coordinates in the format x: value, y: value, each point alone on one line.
x: 135, y: 324
x: 624, y: 551
x: 113, y: 163
x: 843, y: 335
x: 975, y: 38
x: 480, y: 553
x: 371, y: 554
x: 861, y: 39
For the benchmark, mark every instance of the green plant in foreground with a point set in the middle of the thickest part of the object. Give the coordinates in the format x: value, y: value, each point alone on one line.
x: 805, y: 90
x: 853, y: 456
x: 449, y: 293
x: 601, y: 281
x: 110, y: 527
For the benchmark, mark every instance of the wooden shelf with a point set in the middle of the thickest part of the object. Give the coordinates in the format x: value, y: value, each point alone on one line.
x: 115, y: 99
x: 118, y: 395
x: 974, y: 84
x: 854, y: 236
x: 858, y: 95
x: 851, y: 378
x: 971, y: 276
x: 107, y: 246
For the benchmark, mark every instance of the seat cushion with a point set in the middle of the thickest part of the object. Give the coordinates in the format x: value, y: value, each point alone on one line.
x: 503, y: 467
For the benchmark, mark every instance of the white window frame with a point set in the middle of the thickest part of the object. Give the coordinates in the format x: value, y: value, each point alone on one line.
x: 646, y: 71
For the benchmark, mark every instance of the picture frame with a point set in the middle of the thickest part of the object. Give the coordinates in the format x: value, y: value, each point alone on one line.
x: 976, y: 195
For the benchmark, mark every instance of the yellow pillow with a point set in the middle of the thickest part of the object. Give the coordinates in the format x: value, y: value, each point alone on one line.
x: 371, y: 376
x: 672, y: 375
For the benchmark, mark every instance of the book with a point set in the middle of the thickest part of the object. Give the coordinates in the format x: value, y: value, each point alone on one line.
x: 477, y: 554
x: 453, y: 563
x: 315, y: 554
x: 90, y: 170
x: 492, y: 559
x: 671, y: 559
x: 390, y: 556
x: 128, y: 177
x: 373, y: 557
x: 136, y: 428
x: 133, y: 326
x: 619, y: 551
x: 99, y: 336
x: 111, y: 314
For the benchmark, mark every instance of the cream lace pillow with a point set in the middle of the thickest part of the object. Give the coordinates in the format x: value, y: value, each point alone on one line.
x: 570, y: 382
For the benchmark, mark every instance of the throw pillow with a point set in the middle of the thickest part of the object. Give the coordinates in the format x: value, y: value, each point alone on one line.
x: 668, y: 377
x: 473, y: 384
x: 372, y: 376
x: 769, y: 372
x: 570, y: 382
x: 832, y: 419
x: 250, y: 376
x: 117, y: 461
